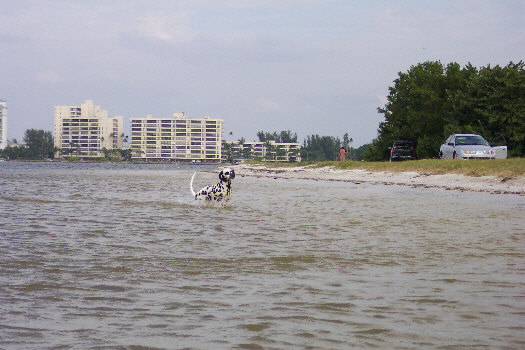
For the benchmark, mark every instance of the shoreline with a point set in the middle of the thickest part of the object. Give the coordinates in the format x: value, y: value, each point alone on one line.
x: 450, y: 182
x: 455, y: 182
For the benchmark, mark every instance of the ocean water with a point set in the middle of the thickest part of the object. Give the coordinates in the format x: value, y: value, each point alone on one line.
x: 115, y: 256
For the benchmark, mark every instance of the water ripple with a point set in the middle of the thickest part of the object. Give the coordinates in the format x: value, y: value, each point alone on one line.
x: 109, y: 256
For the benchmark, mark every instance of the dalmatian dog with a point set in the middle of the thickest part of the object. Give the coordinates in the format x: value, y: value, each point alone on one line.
x: 219, y: 192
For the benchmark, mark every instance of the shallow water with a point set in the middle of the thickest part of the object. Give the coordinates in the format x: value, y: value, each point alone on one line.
x: 102, y: 256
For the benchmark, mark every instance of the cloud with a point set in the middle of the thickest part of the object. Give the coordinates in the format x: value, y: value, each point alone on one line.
x: 170, y: 28
x: 259, y: 64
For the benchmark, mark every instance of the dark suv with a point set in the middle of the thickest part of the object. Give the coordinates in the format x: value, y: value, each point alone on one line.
x: 402, y: 150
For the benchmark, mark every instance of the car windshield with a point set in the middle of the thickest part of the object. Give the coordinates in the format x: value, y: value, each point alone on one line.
x: 471, y: 140
x: 403, y: 145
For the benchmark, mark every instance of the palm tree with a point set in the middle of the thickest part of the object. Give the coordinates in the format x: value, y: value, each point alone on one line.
x: 112, y: 137
x: 124, y: 137
x: 108, y: 153
x: 270, y: 151
x: 247, y: 151
x: 76, y: 147
x: 227, y: 150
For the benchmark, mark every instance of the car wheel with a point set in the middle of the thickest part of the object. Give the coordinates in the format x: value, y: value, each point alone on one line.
x: 440, y: 155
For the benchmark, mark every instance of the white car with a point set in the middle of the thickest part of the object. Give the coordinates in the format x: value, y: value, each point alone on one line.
x: 466, y: 146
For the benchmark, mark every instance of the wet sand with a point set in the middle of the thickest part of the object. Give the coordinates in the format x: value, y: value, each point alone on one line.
x: 457, y: 182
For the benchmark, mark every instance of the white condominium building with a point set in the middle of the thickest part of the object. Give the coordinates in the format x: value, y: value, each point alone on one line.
x: 3, y: 124
x: 176, y: 139
x: 86, y: 130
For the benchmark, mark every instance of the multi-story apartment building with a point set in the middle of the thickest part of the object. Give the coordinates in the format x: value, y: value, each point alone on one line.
x: 3, y: 124
x: 270, y: 151
x: 86, y: 130
x: 176, y: 139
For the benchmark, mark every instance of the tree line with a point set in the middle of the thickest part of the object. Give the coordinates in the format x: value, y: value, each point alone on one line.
x: 284, y: 136
x: 314, y: 147
x: 425, y: 105
x: 431, y: 101
x: 38, y: 144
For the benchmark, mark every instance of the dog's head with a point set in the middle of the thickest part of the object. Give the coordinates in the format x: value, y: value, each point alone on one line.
x: 227, y: 174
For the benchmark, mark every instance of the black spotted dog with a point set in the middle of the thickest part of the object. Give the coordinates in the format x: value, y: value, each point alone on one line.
x: 219, y: 192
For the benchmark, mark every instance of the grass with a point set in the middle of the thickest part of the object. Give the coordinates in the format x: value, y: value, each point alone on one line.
x: 505, y: 168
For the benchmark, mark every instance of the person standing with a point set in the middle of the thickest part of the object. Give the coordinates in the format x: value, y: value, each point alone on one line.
x: 342, y: 153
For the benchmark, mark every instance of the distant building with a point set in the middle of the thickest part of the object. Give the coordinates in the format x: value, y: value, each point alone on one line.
x: 269, y: 151
x: 16, y: 143
x: 3, y: 124
x: 176, y: 139
x: 86, y: 131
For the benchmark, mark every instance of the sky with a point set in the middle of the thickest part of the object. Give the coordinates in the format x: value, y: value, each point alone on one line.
x: 314, y: 67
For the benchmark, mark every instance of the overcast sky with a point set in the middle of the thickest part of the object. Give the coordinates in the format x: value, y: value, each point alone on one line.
x: 309, y: 66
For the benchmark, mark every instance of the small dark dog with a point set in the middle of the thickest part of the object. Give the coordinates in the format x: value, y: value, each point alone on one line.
x: 219, y: 192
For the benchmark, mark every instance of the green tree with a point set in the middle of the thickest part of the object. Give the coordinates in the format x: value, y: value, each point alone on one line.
x: 14, y: 152
x: 125, y: 154
x: 106, y: 152
x: 350, y: 152
x: 377, y: 150
x: 287, y: 137
x: 124, y: 137
x: 74, y: 147
x: 432, y: 101
x: 415, y: 109
x: 347, y: 140
x: 293, y: 155
x: 493, y: 104
x: 227, y: 150
x: 279, y: 137
x: 358, y: 153
x: 247, y: 151
x: 270, y: 151
x: 39, y: 144
x: 265, y: 136
x: 317, y: 148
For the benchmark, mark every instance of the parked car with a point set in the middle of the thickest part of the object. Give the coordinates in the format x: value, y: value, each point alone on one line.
x: 466, y: 146
x: 501, y: 152
x: 402, y: 150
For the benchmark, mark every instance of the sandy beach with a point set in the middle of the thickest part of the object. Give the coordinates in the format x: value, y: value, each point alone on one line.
x: 456, y: 182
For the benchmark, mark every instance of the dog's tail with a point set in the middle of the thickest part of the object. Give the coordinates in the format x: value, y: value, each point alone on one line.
x: 191, y: 185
